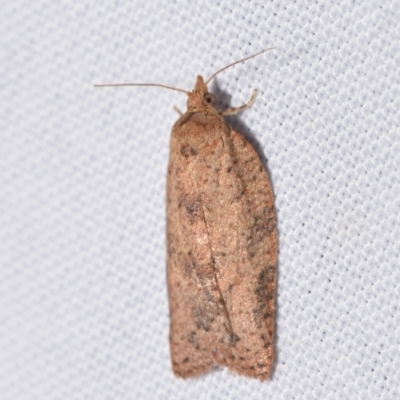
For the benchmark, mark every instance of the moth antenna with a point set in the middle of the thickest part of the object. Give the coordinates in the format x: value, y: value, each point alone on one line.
x: 237, y: 62
x: 141, y: 84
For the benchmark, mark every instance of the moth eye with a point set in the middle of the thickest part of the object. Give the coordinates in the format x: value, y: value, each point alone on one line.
x: 209, y: 99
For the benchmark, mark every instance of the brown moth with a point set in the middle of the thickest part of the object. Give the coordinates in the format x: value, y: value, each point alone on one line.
x: 222, y: 245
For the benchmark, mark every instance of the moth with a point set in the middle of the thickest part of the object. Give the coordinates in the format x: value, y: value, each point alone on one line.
x: 222, y: 244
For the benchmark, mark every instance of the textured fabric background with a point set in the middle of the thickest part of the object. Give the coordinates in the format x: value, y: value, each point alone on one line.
x: 83, y: 300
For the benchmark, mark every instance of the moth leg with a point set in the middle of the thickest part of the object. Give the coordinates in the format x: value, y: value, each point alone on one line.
x: 235, y: 110
x: 178, y: 110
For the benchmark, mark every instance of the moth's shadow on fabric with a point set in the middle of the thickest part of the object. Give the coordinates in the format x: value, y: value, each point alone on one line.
x: 235, y: 122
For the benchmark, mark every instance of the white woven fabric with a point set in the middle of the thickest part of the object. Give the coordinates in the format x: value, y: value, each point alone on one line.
x: 83, y: 300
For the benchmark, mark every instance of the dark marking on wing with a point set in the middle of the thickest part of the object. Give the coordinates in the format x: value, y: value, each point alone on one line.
x: 193, y: 340
x: 188, y: 151
x: 193, y: 207
x: 203, y: 317
x: 263, y: 291
x: 234, y: 339
x: 260, y: 227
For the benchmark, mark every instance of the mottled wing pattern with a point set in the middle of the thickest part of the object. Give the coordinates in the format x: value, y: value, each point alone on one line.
x: 248, y: 275
x: 222, y: 249
x: 200, y: 332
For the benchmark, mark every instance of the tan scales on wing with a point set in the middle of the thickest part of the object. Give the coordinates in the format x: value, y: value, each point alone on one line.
x: 222, y: 247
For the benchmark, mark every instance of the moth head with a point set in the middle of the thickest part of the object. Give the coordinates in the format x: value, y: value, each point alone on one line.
x: 200, y: 97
